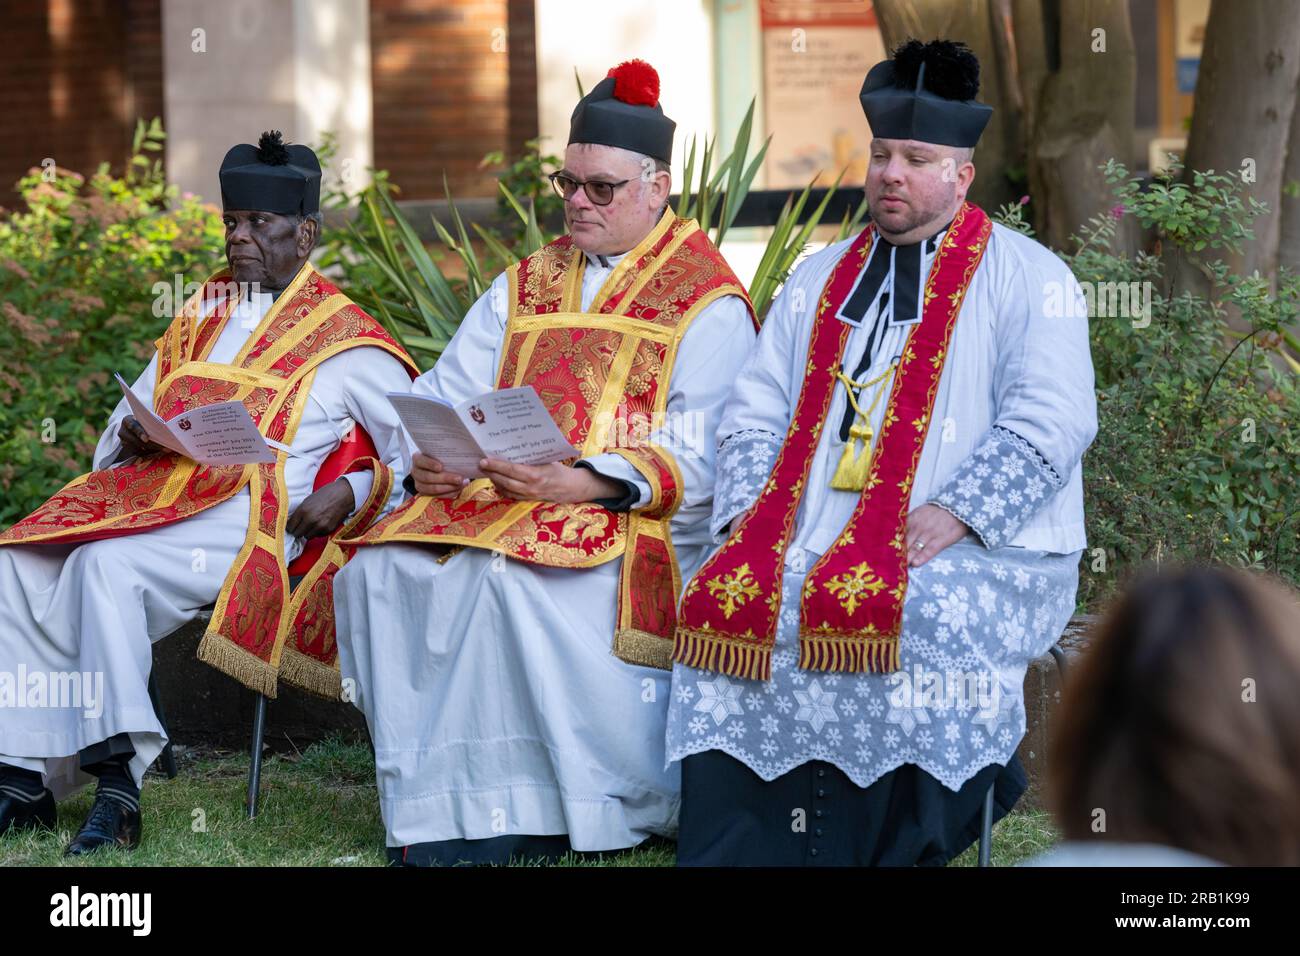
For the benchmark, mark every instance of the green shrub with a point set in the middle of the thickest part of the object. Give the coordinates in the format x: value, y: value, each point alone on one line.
x: 1199, y: 410
x: 78, y: 266
x: 526, y: 177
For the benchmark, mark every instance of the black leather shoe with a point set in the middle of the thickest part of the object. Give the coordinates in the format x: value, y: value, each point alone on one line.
x: 109, y: 823
x: 16, y: 815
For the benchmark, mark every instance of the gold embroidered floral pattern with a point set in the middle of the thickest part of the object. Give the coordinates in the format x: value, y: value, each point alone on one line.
x: 850, y: 589
x: 578, y: 526
x: 603, y: 383
x: 733, y: 590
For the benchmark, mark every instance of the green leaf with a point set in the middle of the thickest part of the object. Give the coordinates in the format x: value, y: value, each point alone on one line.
x: 496, y: 247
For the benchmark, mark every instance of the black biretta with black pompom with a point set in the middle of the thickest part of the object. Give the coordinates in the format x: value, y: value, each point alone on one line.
x: 926, y: 92
x: 272, y: 176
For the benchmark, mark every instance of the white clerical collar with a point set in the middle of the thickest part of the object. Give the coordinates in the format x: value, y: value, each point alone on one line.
x: 605, y: 262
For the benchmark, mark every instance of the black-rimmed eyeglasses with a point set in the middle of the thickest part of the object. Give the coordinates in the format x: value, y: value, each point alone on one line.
x: 600, y: 193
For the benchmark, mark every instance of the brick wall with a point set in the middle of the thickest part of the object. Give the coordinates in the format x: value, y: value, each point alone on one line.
x: 452, y: 81
x: 74, y: 77
x: 522, y: 96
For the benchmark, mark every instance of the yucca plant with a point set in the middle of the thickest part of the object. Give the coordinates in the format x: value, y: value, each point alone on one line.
x: 412, y: 297
x: 720, y: 191
x: 789, y: 239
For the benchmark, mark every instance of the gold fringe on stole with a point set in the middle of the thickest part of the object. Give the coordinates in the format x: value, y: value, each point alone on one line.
x: 310, y: 674
x: 635, y: 646
x: 710, y: 651
x: 874, y: 655
x: 233, y: 661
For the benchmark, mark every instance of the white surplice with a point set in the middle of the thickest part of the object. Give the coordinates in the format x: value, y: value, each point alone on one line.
x: 95, y: 609
x: 494, y: 701
x: 1014, y: 412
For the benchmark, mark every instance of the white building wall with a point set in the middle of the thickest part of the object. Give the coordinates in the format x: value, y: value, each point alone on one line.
x: 236, y: 68
x: 673, y: 36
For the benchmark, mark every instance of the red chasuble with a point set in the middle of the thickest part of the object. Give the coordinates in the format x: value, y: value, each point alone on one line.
x: 851, y: 609
x: 603, y: 374
x: 248, y: 636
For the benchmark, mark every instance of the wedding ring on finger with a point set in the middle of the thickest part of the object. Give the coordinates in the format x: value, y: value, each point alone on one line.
x: 920, y: 546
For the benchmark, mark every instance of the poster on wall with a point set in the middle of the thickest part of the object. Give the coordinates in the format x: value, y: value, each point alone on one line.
x: 815, y: 55
x: 1189, y: 38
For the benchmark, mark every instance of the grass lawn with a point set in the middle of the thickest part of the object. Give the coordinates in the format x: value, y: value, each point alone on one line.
x: 319, y: 809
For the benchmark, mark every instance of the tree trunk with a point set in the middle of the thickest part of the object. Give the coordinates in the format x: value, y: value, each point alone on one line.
x: 1288, y: 240
x: 1242, y: 115
x: 1079, y: 70
x: 981, y: 25
x: 1059, y: 109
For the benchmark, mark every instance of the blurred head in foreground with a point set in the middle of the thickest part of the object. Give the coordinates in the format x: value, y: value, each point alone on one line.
x: 1181, y: 726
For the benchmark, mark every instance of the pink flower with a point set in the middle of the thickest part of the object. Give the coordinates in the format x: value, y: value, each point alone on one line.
x: 1024, y: 200
x: 1117, y: 212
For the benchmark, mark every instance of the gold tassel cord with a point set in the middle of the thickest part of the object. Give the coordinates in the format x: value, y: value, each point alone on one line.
x: 851, y: 472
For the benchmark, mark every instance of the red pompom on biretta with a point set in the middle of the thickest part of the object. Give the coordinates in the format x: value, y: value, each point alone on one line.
x: 635, y: 83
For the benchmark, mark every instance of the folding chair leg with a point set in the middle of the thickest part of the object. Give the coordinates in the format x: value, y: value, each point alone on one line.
x: 1058, y: 655
x: 168, y: 758
x: 986, y: 828
x: 255, y: 766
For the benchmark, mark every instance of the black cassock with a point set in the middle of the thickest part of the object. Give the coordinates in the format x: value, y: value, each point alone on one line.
x: 906, y: 818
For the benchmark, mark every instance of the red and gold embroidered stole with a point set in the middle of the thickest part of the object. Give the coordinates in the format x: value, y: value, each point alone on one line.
x: 603, y: 374
x: 851, y: 609
x: 311, y: 657
x: 310, y: 322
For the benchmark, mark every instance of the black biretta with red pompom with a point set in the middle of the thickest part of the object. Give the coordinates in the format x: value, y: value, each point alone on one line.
x: 272, y: 176
x: 623, y: 110
x: 926, y: 92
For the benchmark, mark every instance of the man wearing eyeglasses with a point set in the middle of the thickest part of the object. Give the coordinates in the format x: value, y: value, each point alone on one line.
x: 509, y: 637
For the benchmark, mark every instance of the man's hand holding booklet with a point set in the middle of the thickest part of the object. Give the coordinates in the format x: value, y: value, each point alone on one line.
x: 510, y: 424
x: 219, y: 434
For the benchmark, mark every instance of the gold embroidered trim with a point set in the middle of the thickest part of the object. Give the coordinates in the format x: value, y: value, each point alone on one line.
x: 283, y: 299
x: 612, y: 394
x: 625, y: 265
x: 306, y: 326
x: 641, y: 647
x: 214, y: 370
x: 525, y: 355
x: 688, y: 229
x: 586, y: 320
